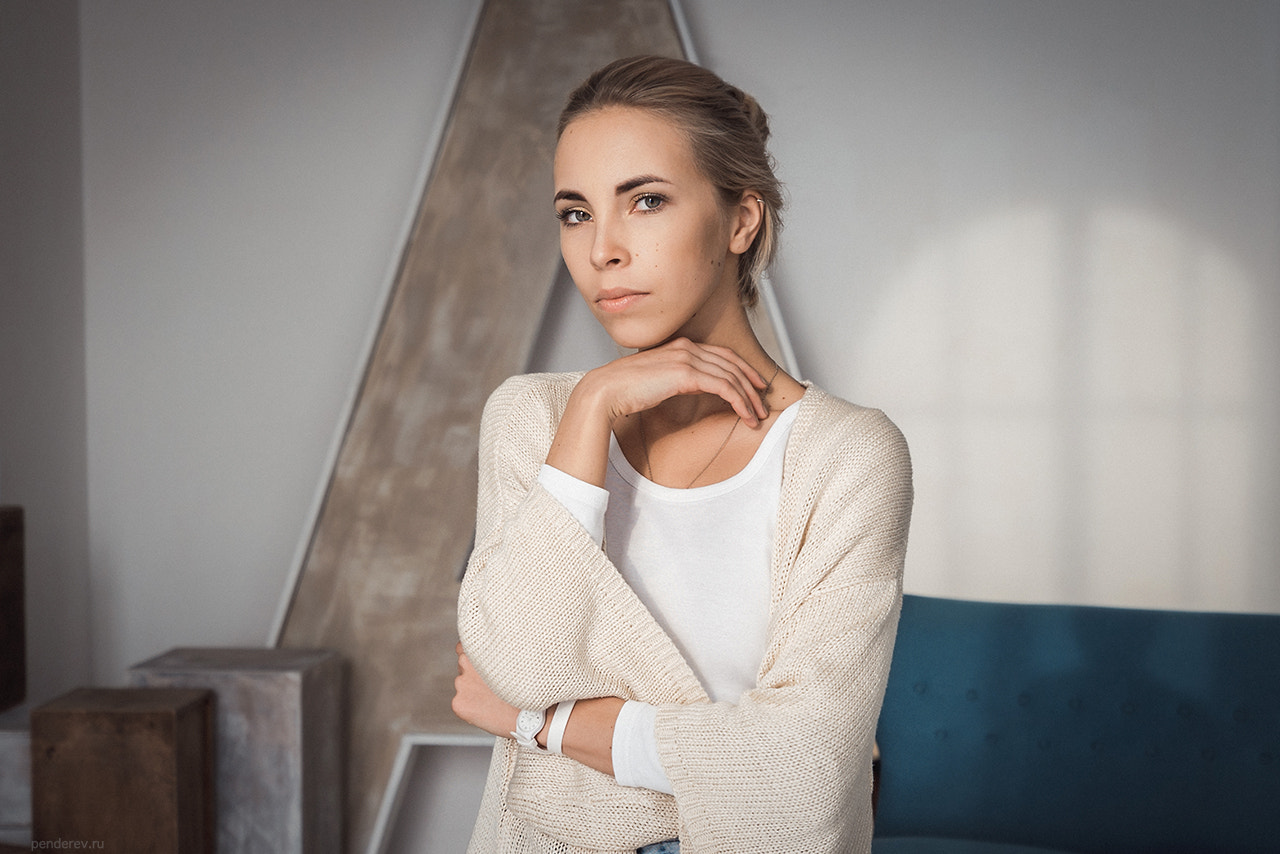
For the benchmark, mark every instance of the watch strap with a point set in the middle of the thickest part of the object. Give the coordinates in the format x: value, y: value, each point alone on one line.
x: 559, y: 720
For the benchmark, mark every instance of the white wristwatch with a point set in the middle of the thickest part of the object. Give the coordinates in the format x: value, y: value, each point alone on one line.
x: 528, y: 725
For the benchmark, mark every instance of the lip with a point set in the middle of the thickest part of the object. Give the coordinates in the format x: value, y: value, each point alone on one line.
x: 618, y: 299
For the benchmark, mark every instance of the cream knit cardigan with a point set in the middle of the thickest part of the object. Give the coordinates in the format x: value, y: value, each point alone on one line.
x: 544, y: 617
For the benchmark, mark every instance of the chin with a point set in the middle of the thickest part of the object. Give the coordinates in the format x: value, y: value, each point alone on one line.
x: 634, y: 335
x: 636, y: 342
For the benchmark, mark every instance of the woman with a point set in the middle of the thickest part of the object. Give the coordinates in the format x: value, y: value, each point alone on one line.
x: 681, y: 606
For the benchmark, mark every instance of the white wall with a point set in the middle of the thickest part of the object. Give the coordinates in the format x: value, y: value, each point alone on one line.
x: 249, y: 171
x: 1042, y: 236
x: 42, y: 364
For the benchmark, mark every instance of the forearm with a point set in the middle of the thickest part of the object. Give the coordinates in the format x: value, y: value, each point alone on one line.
x: 588, y: 733
x: 588, y: 737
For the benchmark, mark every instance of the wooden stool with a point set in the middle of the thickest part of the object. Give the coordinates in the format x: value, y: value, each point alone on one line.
x: 279, y: 741
x: 131, y: 768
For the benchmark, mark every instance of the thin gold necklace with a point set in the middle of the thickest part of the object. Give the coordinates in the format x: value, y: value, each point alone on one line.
x: 644, y: 441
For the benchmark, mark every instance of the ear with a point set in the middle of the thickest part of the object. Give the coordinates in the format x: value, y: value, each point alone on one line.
x: 748, y: 219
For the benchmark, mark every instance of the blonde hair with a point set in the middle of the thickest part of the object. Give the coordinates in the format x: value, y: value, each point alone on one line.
x: 727, y: 132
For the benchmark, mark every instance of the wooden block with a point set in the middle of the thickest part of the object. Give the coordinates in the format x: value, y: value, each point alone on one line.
x: 13, y: 632
x: 279, y: 736
x: 131, y: 768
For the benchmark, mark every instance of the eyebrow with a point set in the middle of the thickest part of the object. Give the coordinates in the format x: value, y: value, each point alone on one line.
x: 639, y: 181
x: 625, y: 187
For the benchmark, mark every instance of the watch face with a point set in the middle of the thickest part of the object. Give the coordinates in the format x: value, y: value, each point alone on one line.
x: 528, y: 723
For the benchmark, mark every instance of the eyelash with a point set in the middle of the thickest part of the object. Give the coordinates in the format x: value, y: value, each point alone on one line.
x: 565, y: 215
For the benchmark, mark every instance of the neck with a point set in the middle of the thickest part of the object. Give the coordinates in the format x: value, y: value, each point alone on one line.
x: 686, y: 409
x: 727, y: 325
x: 720, y: 323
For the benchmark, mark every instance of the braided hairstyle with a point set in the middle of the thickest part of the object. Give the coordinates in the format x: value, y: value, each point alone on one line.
x: 727, y: 132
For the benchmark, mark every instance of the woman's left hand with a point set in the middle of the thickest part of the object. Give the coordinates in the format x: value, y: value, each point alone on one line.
x: 477, y: 705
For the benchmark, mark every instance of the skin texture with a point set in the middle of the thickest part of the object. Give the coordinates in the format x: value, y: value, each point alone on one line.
x: 653, y: 248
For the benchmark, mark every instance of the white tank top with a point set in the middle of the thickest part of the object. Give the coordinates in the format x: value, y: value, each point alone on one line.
x: 699, y: 559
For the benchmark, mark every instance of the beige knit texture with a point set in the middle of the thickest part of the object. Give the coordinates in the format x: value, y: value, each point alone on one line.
x: 545, y: 616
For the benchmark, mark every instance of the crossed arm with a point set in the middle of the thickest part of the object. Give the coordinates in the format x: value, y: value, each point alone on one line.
x: 580, y: 448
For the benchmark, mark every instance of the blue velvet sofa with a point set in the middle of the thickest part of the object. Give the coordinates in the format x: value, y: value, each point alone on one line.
x: 1012, y: 729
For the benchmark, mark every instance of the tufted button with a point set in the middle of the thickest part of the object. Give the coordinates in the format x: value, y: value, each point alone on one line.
x: 1265, y: 759
x: 941, y: 734
x: 1095, y: 746
x: 971, y: 695
x: 1207, y: 754
x: 1240, y: 716
x: 1128, y: 708
x: 992, y: 738
x: 1024, y: 699
x: 1185, y: 710
x: 1044, y: 744
x: 1075, y: 704
x: 920, y: 687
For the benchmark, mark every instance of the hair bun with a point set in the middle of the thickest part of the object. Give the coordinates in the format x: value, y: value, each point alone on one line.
x: 755, y: 115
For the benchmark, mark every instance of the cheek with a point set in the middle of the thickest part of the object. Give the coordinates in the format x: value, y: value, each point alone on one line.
x: 575, y: 263
x: 572, y: 249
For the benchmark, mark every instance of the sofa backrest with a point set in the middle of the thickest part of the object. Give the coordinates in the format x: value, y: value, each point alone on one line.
x: 1082, y: 728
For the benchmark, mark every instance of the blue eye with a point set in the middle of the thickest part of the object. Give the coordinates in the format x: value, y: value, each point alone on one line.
x: 649, y: 202
x: 573, y: 216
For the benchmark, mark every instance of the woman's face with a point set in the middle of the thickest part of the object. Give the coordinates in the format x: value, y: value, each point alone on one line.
x: 644, y: 234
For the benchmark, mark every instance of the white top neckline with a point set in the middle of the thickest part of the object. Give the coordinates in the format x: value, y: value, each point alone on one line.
x: 777, y: 432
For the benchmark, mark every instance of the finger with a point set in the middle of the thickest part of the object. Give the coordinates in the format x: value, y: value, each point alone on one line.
x: 730, y: 387
x: 740, y: 390
x: 759, y: 385
x: 755, y: 379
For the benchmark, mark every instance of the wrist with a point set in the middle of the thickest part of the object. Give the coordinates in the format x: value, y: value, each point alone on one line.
x: 591, y: 402
x: 522, y: 727
x: 544, y: 733
x: 581, y: 444
x: 529, y: 724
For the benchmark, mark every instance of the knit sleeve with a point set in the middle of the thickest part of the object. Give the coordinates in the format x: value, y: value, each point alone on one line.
x: 788, y: 768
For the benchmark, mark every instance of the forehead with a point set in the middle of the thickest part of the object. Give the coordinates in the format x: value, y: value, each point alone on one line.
x: 614, y: 144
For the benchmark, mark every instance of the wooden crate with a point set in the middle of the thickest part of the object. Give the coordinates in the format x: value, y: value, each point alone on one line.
x: 131, y: 768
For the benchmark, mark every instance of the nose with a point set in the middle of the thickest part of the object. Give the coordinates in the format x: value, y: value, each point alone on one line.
x: 608, y: 244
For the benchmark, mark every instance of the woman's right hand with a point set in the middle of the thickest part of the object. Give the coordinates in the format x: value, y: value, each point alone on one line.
x: 645, y: 379
x: 641, y: 381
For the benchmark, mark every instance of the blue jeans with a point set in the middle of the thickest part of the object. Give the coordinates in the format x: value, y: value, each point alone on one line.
x: 671, y: 846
